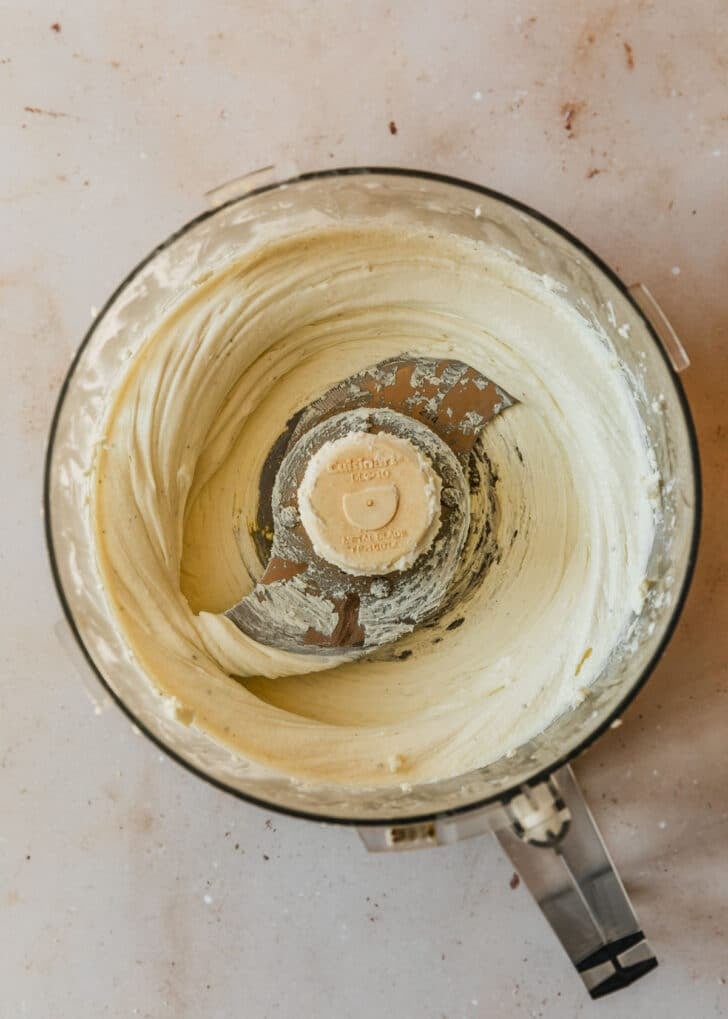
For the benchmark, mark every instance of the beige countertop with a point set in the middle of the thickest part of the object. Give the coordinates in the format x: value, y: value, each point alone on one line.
x: 127, y: 886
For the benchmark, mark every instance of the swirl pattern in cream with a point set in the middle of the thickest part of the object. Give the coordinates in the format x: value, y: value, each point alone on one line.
x: 176, y: 489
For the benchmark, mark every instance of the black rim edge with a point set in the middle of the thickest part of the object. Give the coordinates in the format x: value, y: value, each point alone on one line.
x: 539, y: 775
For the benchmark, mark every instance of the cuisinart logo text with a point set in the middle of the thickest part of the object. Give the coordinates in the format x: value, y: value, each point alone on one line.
x: 364, y: 468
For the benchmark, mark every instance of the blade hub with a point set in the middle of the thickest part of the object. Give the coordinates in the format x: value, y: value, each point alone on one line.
x: 370, y: 503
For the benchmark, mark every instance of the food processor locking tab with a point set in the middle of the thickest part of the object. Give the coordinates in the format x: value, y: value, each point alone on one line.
x: 671, y: 342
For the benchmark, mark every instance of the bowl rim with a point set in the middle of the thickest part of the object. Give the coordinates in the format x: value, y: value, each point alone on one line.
x: 542, y: 774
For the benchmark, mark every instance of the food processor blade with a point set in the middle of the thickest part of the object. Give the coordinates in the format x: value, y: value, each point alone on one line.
x: 306, y: 604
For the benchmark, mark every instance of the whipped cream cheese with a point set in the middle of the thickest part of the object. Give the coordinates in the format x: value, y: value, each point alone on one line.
x: 176, y: 485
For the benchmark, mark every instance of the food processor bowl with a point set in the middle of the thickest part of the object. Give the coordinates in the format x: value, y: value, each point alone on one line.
x: 641, y: 339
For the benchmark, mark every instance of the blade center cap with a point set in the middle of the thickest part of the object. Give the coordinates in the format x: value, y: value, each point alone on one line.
x: 370, y: 503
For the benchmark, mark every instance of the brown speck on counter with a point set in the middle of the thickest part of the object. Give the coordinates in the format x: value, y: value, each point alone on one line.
x: 266, y: 857
x: 515, y: 881
x: 569, y: 112
x: 46, y: 113
x: 116, y: 64
x: 593, y: 173
x: 56, y: 26
x: 392, y: 127
x: 629, y: 54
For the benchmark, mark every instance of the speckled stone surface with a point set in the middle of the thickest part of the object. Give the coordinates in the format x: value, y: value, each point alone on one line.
x: 130, y: 888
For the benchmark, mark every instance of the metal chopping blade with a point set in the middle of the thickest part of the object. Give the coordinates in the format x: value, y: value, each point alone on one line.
x: 305, y: 604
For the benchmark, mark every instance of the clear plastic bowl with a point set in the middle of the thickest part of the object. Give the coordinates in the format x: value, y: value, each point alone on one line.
x: 348, y: 197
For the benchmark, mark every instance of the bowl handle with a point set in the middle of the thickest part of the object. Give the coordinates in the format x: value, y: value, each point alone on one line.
x: 549, y: 834
x: 556, y: 847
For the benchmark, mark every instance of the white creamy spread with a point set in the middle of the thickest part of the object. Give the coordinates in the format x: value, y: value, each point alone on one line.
x: 176, y: 489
